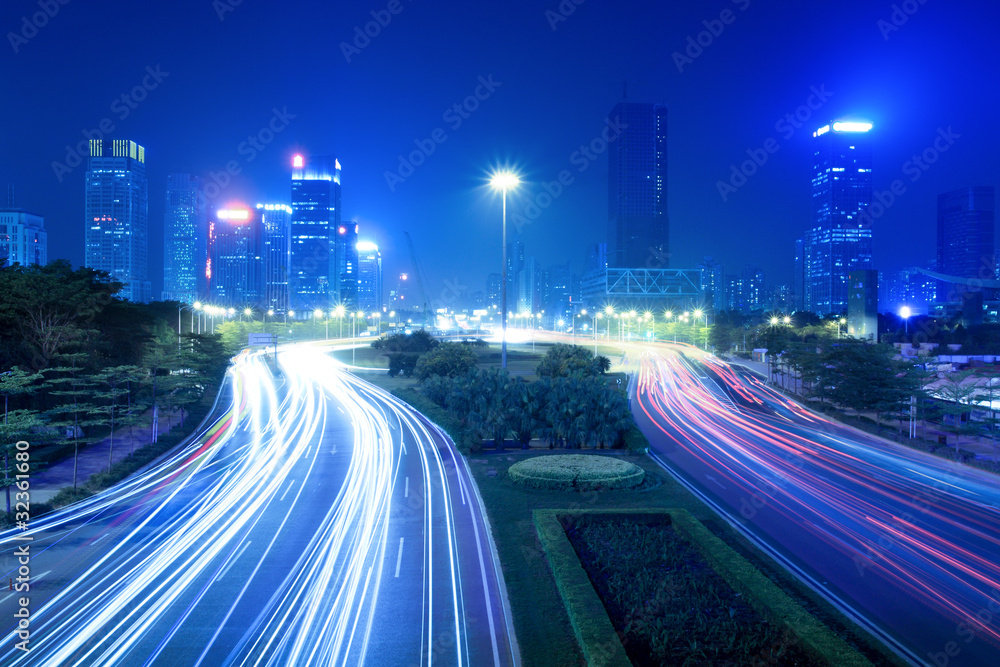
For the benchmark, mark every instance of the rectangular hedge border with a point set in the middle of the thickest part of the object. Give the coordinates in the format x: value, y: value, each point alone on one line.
x: 591, y: 625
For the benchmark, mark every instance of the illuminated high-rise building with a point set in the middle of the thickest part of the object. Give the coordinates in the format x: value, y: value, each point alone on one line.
x: 275, y: 218
x: 116, y: 215
x: 369, y: 277
x: 23, y: 239
x: 314, y: 220
x: 235, y: 268
x: 965, y: 238
x: 638, y: 225
x: 184, y: 239
x: 840, y: 238
x: 346, y: 273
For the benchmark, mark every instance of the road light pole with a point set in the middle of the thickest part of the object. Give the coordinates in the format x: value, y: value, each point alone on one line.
x: 503, y: 181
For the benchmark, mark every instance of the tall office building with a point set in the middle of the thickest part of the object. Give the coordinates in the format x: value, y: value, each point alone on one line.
x: 315, y: 217
x: 275, y: 219
x: 638, y: 227
x: 23, y: 239
x: 235, y: 269
x: 799, y: 284
x: 840, y: 239
x: 965, y: 237
x: 369, y: 277
x: 713, y: 283
x: 116, y: 211
x: 493, y: 282
x: 346, y: 253
x: 184, y: 239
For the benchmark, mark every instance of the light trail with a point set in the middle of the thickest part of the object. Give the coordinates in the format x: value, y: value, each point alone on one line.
x: 918, y: 526
x: 305, y: 526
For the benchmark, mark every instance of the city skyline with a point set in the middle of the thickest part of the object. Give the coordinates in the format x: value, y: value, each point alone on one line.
x: 722, y: 112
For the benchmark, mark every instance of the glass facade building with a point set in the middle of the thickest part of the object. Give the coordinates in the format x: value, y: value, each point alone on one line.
x: 346, y: 275
x: 23, y: 239
x: 840, y: 238
x: 235, y: 269
x: 116, y: 215
x: 315, y: 217
x: 184, y: 239
x: 275, y: 219
x: 638, y: 225
x: 369, y: 277
x: 965, y: 238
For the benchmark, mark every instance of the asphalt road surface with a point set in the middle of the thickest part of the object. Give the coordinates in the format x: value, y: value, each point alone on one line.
x: 906, y: 542
x: 316, y: 520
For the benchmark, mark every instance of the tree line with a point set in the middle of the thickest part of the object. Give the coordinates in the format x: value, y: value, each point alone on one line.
x: 78, y: 363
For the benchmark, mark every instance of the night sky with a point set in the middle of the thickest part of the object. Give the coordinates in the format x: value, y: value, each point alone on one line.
x: 553, y: 82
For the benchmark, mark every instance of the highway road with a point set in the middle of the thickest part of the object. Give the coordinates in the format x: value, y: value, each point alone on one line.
x: 316, y: 520
x: 907, y: 543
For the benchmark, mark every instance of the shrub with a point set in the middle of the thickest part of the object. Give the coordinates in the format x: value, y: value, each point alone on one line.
x: 576, y: 471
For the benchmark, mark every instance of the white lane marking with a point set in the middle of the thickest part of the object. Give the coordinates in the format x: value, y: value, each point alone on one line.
x: 399, y: 557
x: 99, y: 539
x: 403, y: 445
x: 290, y: 485
x: 406, y: 488
x: 341, y: 410
x: 232, y: 561
x: 308, y: 449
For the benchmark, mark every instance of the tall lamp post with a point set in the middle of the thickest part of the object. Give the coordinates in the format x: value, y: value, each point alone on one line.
x: 504, y: 181
x: 905, y: 312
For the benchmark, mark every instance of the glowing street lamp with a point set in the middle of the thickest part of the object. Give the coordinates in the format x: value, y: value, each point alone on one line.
x: 905, y: 312
x: 504, y: 181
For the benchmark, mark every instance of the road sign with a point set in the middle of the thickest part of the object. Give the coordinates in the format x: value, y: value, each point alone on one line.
x: 261, y: 339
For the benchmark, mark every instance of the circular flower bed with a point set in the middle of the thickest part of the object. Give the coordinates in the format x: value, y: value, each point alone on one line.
x: 576, y: 471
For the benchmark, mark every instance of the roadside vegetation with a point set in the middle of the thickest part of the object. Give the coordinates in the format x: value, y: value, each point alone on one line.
x: 78, y: 364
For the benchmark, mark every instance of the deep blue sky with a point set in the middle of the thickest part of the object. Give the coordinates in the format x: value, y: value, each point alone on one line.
x: 938, y: 70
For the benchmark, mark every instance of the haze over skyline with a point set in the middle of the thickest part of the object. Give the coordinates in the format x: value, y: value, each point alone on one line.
x: 533, y: 87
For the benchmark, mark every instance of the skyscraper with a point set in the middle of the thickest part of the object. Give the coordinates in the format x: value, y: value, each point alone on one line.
x: 965, y: 237
x: 314, y: 219
x: 638, y: 227
x: 235, y: 268
x: 346, y: 253
x: 369, y: 277
x: 23, y: 239
x: 713, y: 282
x: 840, y: 239
x: 116, y: 211
x: 275, y: 219
x: 184, y: 239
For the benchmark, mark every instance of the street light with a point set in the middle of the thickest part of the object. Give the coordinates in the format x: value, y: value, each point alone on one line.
x: 905, y: 312
x: 504, y: 181
x: 340, y: 311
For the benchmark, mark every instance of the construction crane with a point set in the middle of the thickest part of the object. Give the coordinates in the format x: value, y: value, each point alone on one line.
x: 418, y: 271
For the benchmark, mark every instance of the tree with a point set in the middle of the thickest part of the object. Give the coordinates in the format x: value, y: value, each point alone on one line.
x: 864, y: 377
x: 17, y: 425
x: 721, y: 337
x: 73, y: 414
x: 46, y: 305
x: 447, y: 359
x: 17, y: 382
x: 958, y: 395
x: 114, y: 383
x: 564, y: 360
